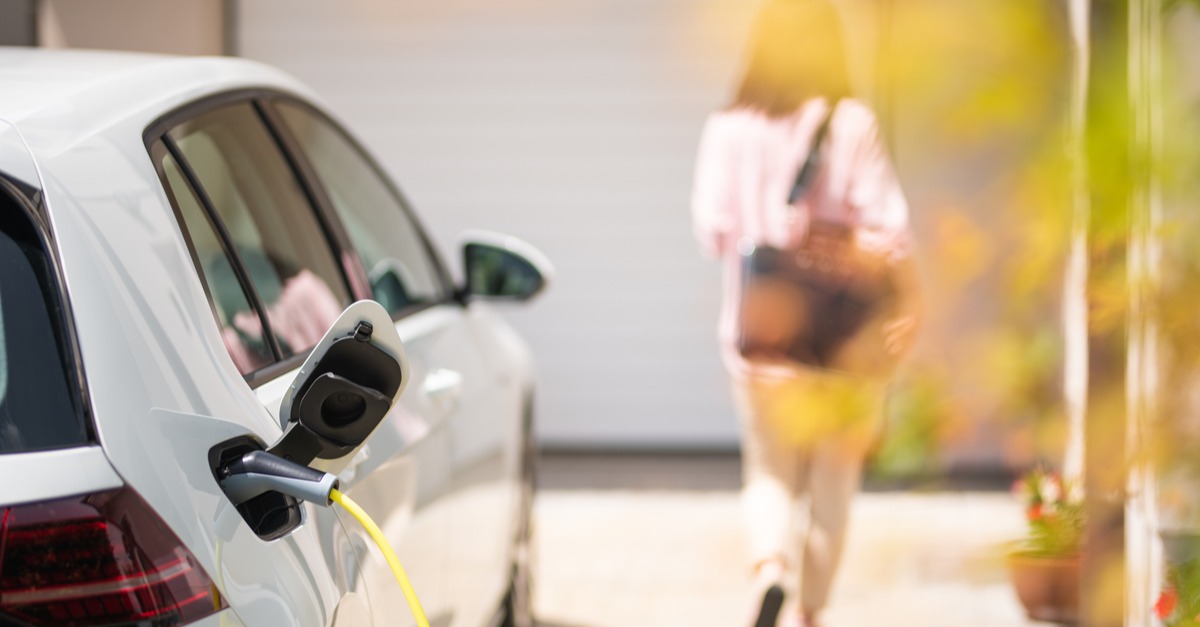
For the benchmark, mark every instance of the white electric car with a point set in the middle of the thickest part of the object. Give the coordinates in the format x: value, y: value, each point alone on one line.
x: 176, y: 235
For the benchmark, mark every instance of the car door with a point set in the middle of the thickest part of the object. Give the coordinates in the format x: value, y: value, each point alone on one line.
x: 283, y: 573
x: 277, y: 278
x: 457, y: 386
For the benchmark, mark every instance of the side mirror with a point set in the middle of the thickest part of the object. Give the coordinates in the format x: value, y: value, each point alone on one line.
x: 347, y: 385
x: 502, y: 267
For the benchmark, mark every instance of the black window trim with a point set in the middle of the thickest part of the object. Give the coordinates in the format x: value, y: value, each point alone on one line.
x: 448, y: 291
x: 165, y: 147
x: 262, y: 99
x: 159, y: 131
x: 332, y: 236
x: 32, y: 202
x: 344, y: 254
x: 348, y: 258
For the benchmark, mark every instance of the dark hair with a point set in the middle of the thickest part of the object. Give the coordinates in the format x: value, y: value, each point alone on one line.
x: 796, y: 52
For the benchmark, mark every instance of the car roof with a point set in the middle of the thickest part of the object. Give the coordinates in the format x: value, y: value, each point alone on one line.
x: 72, y: 94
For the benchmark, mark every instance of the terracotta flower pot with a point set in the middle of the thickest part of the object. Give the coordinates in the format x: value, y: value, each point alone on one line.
x: 1048, y: 587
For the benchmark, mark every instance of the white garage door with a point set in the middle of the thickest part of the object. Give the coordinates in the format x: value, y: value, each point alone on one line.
x: 572, y: 124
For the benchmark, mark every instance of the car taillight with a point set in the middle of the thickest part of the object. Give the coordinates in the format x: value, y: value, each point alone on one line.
x: 98, y: 559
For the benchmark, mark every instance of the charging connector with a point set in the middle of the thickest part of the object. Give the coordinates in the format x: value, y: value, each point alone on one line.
x: 257, y: 472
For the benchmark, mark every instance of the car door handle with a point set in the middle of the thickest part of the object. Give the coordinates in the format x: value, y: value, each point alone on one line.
x: 443, y: 387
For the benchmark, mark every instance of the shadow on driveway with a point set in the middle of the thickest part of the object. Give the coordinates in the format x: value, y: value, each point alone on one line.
x: 720, y: 471
x: 673, y: 471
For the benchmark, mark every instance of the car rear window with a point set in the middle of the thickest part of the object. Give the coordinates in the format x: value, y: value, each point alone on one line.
x: 38, y: 403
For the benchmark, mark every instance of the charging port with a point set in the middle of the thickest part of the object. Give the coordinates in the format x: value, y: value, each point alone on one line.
x: 270, y: 515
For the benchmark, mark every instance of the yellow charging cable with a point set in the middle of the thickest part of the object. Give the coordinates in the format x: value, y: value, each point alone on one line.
x: 373, y: 530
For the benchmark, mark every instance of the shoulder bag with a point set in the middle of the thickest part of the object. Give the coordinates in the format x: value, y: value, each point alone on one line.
x: 820, y: 303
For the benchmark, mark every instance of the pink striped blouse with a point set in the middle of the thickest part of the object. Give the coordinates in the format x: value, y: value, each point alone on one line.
x: 746, y: 166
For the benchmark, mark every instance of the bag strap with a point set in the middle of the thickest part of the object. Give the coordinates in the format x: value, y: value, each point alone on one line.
x: 808, y: 171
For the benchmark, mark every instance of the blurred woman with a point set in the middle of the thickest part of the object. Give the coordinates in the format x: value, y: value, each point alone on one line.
x: 805, y: 432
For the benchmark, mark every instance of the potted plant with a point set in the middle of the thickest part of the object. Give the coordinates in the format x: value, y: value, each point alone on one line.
x: 1045, y: 565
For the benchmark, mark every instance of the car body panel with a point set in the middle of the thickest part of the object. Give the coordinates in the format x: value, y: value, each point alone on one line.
x: 168, y: 392
x: 441, y: 473
x: 60, y: 473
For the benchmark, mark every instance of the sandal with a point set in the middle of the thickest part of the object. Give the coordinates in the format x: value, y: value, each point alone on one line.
x: 772, y: 602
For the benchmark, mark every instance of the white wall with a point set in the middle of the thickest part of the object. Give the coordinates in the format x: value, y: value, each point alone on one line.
x: 573, y: 125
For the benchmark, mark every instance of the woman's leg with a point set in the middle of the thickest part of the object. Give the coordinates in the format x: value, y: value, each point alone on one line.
x: 833, y: 478
x: 771, y: 478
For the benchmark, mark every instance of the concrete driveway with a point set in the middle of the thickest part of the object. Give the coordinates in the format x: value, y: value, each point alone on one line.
x: 641, y: 540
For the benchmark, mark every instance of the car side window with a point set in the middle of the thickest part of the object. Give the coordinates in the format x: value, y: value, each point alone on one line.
x: 399, y: 265
x: 269, y: 221
x: 242, y: 331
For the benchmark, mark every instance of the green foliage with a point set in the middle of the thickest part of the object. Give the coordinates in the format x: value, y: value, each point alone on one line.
x: 1057, y: 533
x: 919, y: 414
x: 1169, y: 5
x: 1179, y: 604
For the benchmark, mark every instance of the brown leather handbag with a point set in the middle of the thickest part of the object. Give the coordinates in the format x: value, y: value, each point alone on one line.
x: 821, y: 303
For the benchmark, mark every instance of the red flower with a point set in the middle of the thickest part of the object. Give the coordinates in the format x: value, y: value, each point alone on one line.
x: 1034, y: 512
x: 1166, y: 603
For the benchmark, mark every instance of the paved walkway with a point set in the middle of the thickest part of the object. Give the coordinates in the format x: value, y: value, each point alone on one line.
x: 638, y: 541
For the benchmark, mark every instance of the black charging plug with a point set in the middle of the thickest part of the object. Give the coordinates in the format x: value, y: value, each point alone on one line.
x: 258, y: 472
